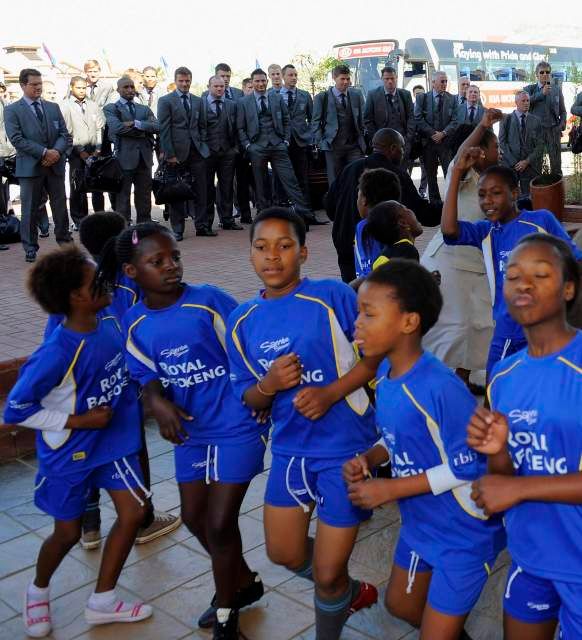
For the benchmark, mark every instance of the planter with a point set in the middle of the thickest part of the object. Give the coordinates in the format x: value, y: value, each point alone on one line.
x: 547, y: 192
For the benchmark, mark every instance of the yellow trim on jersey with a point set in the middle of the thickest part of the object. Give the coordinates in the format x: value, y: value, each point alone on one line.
x: 487, y: 568
x: 380, y: 261
x: 133, y: 293
x: 462, y: 496
x: 487, y: 249
x: 135, y: 352
x: 238, y: 345
x: 114, y: 320
x: 576, y: 368
x: 404, y: 241
x: 73, y: 363
x: 217, y: 323
x: 497, y: 375
x: 533, y: 224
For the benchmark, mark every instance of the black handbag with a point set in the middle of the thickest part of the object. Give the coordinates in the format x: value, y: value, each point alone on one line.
x: 9, y: 229
x: 101, y: 174
x: 173, y: 184
x: 575, y: 139
x: 8, y: 169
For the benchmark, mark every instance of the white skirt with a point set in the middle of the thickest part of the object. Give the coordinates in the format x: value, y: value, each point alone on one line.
x: 462, y: 335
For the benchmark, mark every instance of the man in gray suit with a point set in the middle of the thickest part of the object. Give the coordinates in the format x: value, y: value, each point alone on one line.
x: 521, y: 142
x: 338, y: 125
x: 223, y: 70
x: 435, y: 114
x: 389, y: 108
x: 183, y: 141
x: 220, y: 117
x: 98, y: 90
x: 547, y: 103
x: 85, y: 122
x: 471, y: 110
x: 300, y: 107
x: 38, y: 132
x: 263, y: 129
x: 152, y: 90
x: 131, y: 126
x: 464, y: 84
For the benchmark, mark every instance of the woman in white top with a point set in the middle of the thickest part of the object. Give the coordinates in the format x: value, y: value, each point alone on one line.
x: 463, y: 332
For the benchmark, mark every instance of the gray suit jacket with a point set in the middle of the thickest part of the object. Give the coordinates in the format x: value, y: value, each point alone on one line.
x: 87, y: 128
x: 425, y: 111
x: 300, y: 117
x: 463, y: 114
x: 248, y: 119
x: 375, y: 111
x: 6, y: 149
x: 512, y: 147
x: 131, y: 143
x: 177, y: 131
x: 537, y: 104
x: 104, y: 93
x: 230, y: 109
x: 324, y: 137
x: 25, y: 133
x: 236, y: 93
x: 157, y: 93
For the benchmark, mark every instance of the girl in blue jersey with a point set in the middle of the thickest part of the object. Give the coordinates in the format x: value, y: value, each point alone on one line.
x: 496, y: 237
x: 299, y: 331
x: 447, y: 545
x: 533, y: 438
x: 95, y: 232
x: 75, y: 391
x: 175, y: 340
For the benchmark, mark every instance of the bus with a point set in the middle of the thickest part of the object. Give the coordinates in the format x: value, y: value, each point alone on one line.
x: 499, y: 69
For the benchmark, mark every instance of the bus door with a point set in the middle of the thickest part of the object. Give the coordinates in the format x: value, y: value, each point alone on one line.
x: 415, y: 72
x: 452, y: 71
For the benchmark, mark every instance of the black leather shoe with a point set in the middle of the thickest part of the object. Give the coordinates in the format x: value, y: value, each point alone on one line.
x: 30, y: 256
x: 206, y: 233
x: 246, y: 218
x: 232, y: 226
x: 244, y: 598
x: 44, y: 234
x: 4, y: 247
x: 178, y: 237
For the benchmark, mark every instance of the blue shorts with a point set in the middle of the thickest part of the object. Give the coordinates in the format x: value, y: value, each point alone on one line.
x: 453, y: 592
x: 65, y: 497
x: 502, y: 347
x: 301, y: 481
x: 236, y: 463
x: 533, y: 599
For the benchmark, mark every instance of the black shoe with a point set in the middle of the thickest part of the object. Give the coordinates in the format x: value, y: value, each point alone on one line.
x: 206, y: 233
x: 244, y: 598
x: 44, y: 234
x: 30, y: 256
x: 227, y: 630
x: 312, y: 220
x: 246, y: 217
x: 232, y: 226
x: 65, y: 242
x: 4, y: 247
x: 178, y: 237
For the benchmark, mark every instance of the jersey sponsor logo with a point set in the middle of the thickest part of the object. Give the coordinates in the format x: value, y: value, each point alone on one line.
x: 531, y: 450
x: 307, y: 376
x: 275, y: 345
x: 403, y: 466
x: 114, y: 362
x: 464, y: 457
x: 79, y: 455
x: 175, y: 352
x: 188, y: 374
x: 111, y: 387
x: 13, y: 404
x: 538, y: 606
x: 529, y: 417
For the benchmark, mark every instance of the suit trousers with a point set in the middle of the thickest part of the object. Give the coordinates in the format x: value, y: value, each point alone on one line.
x: 553, y: 147
x: 4, y: 196
x: 141, y: 180
x: 433, y: 154
x: 299, y: 160
x: 278, y: 156
x: 193, y: 208
x: 525, y: 177
x: 220, y: 165
x: 338, y: 158
x: 78, y: 207
x: 243, y: 185
x: 31, y: 195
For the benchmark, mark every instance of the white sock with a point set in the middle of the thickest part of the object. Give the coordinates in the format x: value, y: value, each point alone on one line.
x: 37, y: 594
x: 102, y: 601
x: 222, y: 615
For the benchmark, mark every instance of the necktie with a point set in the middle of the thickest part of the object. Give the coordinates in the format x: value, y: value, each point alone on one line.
x: 390, y: 98
x: 227, y: 94
x: 186, y: 103
x: 263, y: 104
x: 289, y: 100
x: 150, y: 97
x: 81, y: 104
x: 471, y: 114
x: 92, y: 91
x: 38, y: 111
x: 463, y: 99
x: 131, y: 107
x: 218, y: 105
x: 343, y: 99
x: 523, y: 116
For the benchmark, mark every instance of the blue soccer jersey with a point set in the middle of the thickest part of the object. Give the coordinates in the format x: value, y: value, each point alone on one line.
x: 497, y: 241
x: 69, y: 374
x: 125, y: 294
x: 183, y: 346
x: 366, y: 249
x: 541, y: 399
x: 316, y: 322
x: 423, y: 416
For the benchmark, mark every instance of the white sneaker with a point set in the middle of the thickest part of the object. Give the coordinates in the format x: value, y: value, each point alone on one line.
x: 36, y: 617
x: 123, y: 612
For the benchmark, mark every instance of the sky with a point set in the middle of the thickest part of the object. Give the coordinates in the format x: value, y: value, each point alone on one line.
x: 200, y: 34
